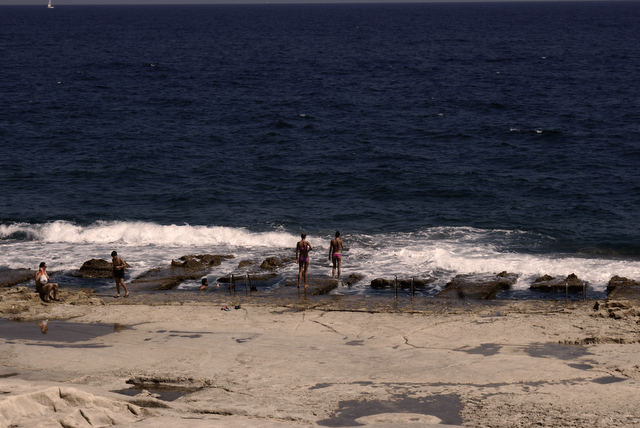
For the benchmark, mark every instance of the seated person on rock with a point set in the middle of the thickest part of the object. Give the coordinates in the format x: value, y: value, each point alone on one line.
x: 44, y: 287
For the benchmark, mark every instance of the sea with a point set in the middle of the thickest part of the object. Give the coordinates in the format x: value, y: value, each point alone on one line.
x: 439, y: 138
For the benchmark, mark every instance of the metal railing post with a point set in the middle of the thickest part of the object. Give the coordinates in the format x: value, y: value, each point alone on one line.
x: 395, y: 289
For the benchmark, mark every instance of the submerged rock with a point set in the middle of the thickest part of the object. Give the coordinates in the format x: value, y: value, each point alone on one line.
x: 382, y: 283
x: 240, y: 277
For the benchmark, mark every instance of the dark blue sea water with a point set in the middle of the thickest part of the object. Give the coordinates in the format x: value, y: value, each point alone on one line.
x: 438, y: 138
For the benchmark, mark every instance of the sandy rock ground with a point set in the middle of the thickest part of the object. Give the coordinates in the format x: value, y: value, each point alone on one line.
x: 315, y: 362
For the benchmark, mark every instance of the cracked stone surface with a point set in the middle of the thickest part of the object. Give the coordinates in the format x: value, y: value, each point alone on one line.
x: 514, y: 364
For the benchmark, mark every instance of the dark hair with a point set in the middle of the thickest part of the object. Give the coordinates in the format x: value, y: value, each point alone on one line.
x: 337, y: 234
x: 43, y: 264
x: 113, y: 254
x: 303, y: 235
x: 204, y: 280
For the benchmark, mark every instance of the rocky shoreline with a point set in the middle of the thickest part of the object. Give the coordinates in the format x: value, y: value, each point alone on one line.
x: 298, y: 359
x: 193, y: 267
x: 233, y: 357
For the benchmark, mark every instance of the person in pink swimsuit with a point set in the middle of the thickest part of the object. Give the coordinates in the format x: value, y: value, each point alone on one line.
x: 335, y: 254
x: 302, y: 256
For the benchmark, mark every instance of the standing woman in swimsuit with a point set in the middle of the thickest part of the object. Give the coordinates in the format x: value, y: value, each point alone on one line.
x: 335, y: 253
x: 302, y: 255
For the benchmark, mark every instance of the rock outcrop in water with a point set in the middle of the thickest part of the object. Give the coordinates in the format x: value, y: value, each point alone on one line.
x: 478, y: 286
x: 186, y: 268
x: 11, y: 277
x: 620, y: 281
x: 95, y: 268
x: 382, y: 283
x: 622, y: 288
x: 549, y: 283
x: 352, y: 279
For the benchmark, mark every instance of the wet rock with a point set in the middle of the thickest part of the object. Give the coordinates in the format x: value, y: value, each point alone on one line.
x: 244, y: 263
x: 186, y: 268
x: 620, y: 281
x: 95, y: 268
x: 478, y: 286
x: 252, y: 277
x: 382, y: 283
x: 352, y: 279
x: 11, y: 277
x: 197, y: 262
x: 271, y: 263
x: 315, y: 287
x: 549, y: 283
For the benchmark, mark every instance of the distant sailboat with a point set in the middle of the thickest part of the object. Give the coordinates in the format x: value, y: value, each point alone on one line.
x: 50, y: 7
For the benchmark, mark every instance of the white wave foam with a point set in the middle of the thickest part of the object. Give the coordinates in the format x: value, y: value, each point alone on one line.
x: 437, y: 252
x: 141, y: 233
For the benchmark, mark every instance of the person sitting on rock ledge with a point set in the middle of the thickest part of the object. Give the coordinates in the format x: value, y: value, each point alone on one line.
x: 44, y: 287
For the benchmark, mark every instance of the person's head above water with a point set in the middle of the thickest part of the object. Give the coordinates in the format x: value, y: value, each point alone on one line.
x: 205, y: 281
x: 337, y: 234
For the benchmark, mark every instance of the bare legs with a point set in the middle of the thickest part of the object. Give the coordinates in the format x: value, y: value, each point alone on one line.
x: 47, y: 289
x: 120, y: 282
x: 336, y: 261
x: 303, y: 267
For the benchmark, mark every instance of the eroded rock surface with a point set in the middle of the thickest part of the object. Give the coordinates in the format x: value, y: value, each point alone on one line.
x: 549, y: 283
x: 478, y: 286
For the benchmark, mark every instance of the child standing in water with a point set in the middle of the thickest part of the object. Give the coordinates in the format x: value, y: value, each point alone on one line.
x: 335, y: 254
x: 302, y: 256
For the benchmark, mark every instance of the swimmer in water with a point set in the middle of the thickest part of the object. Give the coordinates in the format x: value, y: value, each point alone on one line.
x: 302, y: 256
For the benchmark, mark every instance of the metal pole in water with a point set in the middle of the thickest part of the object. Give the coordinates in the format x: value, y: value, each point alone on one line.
x: 411, y: 289
x: 566, y: 290
x: 233, y: 279
x: 584, y: 291
x: 395, y: 289
x: 250, y: 285
x: 246, y: 289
